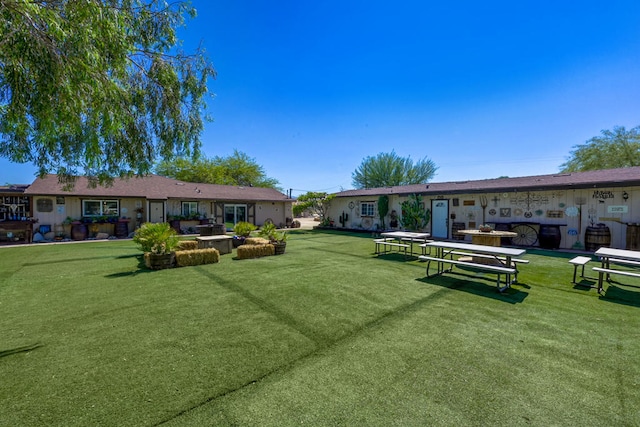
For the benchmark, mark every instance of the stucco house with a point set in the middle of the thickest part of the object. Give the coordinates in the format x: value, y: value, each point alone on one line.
x: 156, y: 199
x: 564, y: 210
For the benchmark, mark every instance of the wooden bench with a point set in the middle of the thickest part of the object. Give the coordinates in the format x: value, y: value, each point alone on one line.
x: 508, y: 271
x: 579, y: 261
x: 388, y: 242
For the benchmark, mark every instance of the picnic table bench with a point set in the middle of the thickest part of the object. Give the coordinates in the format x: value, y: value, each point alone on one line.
x: 610, y: 258
x: 400, y: 239
x: 389, y: 243
x: 505, y: 260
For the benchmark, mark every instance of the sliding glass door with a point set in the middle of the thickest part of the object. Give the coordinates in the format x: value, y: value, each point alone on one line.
x: 234, y: 214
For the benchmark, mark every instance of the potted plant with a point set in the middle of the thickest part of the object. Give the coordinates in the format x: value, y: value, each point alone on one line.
x: 276, y: 238
x: 242, y: 230
x: 158, y: 241
x: 485, y: 228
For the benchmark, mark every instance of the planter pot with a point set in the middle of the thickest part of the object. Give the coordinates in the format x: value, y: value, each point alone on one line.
x: 79, y: 231
x: 279, y: 247
x: 159, y: 262
x: 175, y: 224
x: 238, y: 241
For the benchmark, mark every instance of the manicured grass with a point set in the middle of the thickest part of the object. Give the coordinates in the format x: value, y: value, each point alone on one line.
x: 327, y: 334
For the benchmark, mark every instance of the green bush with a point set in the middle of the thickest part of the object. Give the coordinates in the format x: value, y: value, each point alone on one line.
x: 243, y: 228
x: 158, y: 238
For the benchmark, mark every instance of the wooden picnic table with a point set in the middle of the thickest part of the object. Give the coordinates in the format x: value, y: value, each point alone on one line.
x: 503, y: 260
x: 611, y: 259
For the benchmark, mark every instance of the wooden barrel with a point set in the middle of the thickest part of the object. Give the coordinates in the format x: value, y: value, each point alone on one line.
x: 121, y: 229
x: 633, y: 237
x: 79, y: 231
x: 549, y: 236
x: 454, y: 230
x: 597, y: 237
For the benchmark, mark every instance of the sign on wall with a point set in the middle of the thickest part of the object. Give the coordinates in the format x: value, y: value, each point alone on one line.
x: 622, y: 209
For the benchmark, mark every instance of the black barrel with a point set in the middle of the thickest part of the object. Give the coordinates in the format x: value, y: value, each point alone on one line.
x: 549, y: 236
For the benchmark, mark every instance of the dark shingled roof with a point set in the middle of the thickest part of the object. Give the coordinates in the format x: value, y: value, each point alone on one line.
x: 623, y: 177
x: 156, y: 187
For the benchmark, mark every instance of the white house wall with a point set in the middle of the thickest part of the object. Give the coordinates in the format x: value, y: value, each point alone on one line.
x: 572, y: 210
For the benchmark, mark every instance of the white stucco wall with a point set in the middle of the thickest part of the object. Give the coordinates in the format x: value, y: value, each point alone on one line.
x: 558, y: 207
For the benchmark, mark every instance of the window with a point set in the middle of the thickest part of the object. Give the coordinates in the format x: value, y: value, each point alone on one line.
x: 366, y: 209
x: 189, y: 209
x: 100, y: 207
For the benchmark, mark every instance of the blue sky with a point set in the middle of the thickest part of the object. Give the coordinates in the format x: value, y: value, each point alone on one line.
x: 484, y: 89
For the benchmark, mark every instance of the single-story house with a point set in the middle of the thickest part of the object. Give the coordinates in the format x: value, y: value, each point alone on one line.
x: 564, y: 210
x: 129, y: 202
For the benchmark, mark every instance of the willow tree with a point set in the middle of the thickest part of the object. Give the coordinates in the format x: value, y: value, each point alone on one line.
x: 237, y: 169
x: 389, y: 169
x: 617, y: 148
x: 98, y: 87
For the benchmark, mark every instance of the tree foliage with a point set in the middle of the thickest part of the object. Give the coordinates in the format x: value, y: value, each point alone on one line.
x: 389, y: 169
x: 238, y: 169
x: 617, y: 148
x: 414, y: 215
x: 315, y: 202
x: 98, y: 87
x: 383, y: 208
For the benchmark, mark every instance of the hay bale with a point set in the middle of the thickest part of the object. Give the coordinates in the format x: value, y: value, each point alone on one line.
x: 197, y: 257
x: 188, y: 245
x: 256, y: 241
x: 255, y: 251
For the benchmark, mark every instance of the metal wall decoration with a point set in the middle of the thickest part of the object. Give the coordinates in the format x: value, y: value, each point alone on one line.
x: 505, y: 212
x: 529, y: 201
x: 602, y: 195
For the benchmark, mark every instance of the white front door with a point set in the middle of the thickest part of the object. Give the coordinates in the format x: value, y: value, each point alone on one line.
x: 156, y: 212
x: 440, y: 219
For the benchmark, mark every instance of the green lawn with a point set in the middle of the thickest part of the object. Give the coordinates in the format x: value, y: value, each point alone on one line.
x: 327, y: 334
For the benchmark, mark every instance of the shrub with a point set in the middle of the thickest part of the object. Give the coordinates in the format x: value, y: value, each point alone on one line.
x: 197, y: 257
x: 158, y: 238
x: 243, y: 228
x: 255, y: 251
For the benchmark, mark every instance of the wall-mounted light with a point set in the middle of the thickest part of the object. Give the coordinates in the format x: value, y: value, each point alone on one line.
x: 625, y: 195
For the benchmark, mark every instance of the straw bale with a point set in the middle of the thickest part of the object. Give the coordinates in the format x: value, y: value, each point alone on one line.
x: 256, y: 241
x: 188, y: 245
x: 255, y: 251
x: 197, y: 257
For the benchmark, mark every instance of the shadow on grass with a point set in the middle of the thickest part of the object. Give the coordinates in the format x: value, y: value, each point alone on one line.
x: 24, y: 349
x: 619, y: 295
x: 142, y: 268
x: 471, y: 285
x: 61, y: 261
x: 396, y: 256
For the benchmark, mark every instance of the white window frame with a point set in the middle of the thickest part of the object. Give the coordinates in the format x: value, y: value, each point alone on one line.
x: 191, y: 208
x: 367, y: 209
x: 103, y: 207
